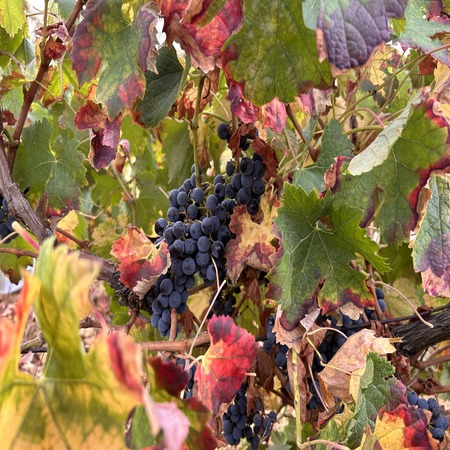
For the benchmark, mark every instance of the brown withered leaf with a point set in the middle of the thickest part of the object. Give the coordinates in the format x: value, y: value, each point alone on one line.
x: 256, y: 245
x: 350, y: 360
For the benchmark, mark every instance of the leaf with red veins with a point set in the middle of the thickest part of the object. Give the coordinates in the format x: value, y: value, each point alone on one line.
x: 105, y: 133
x: 244, y: 109
x: 274, y: 115
x: 99, y: 50
x: 169, y: 376
x: 224, y: 365
x: 203, y: 44
x: 256, y: 245
x: 141, y: 262
x: 404, y: 427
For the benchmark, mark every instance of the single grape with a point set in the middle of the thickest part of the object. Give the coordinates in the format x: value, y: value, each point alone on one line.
x: 267, y: 346
x: 223, y: 132
x: 438, y: 434
x: 163, y: 326
x: 379, y: 292
x: 169, y: 235
x: 211, y: 202
x: 173, y: 194
x: 236, y: 181
x: 202, y: 259
x: 258, y: 169
x: 172, y: 214
x: 258, y: 187
x: 219, y: 190
x: 179, y: 229
x: 221, y: 212
x: 243, y: 196
x: 157, y: 309
x: 253, y: 206
x: 160, y: 224
x: 166, y: 315
x: 188, y: 266
x: 190, y: 283
x: 217, y: 249
x: 230, y: 168
x: 246, y: 166
x: 203, y: 244
x: 257, y: 420
x: 154, y: 320
x: 197, y: 195
x: 164, y: 300
x: 174, y: 300
x: 190, y: 246
x: 211, y: 273
x: 207, y: 225
x: 182, y: 198
x: 166, y: 286
x: 196, y: 230
x: 192, y: 212
x: 247, y: 181
x: 422, y: 403
x: 382, y: 304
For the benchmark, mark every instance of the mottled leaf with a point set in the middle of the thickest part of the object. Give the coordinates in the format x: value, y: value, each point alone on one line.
x: 274, y: 115
x: 334, y: 144
x: 255, y: 244
x: 421, y: 29
x: 404, y: 427
x: 12, y: 15
x: 105, y: 133
x: 59, y: 175
x: 162, y: 88
x: 141, y: 262
x: 223, y: 368
x: 244, y: 109
x: 203, y: 44
x: 376, y: 388
x: 430, y: 251
x: 319, y: 241
x: 201, y: 12
x: 78, y: 402
x: 354, y: 28
x: 421, y: 148
x: 274, y: 54
x: 118, y: 44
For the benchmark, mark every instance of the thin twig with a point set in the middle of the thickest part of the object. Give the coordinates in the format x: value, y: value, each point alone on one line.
x: 181, y: 346
x: 194, y: 126
x: 82, y: 244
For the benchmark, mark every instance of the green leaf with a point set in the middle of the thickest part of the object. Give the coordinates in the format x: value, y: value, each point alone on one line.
x: 334, y: 144
x: 9, y: 45
x: 80, y: 400
x: 65, y: 7
x: 420, y: 28
x: 274, y: 54
x: 421, y: 148
x: 12, y: 16
x: 57, y: 175
x: 119, y: 43
x: 162, y: 88
x: 375, y: 391
x: 178, y: 152
x: 10, y: 264
x: 319, y: 241
x: 430, y: 251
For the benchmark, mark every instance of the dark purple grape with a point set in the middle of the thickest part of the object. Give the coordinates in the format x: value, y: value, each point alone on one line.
x: 166, y: 286
x: 217, y: 249
x: 230, y: 192
x: 236, y: 181
x: 196, y: 230
x: 179, y: 229
x: 207, y: 225
x: 197, y: 195
x: 173, y: 194
x: 202, y: 259
x: 223, y: 132
x: 203, y: 244
x: 211, y: 202
x: 160, y: 224
x: 258, y: 187
x: 246, y: 166
x: 182, y: 198
x: 192, y: 212
x: 243, y: 196
x: 174, y: 300
x: 258, y: 169
x: 188, y: 266
x: 172, y: 214
x: 230, y: 168
x: 190, y: 246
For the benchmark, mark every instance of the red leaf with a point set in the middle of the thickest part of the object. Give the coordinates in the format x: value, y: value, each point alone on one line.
x: 274, y: 115
x: 54, y: 49
x: 169, y: 376
x: 245, y: 110
x: 224, y: 366
x: 105, y: 133
x: 203, y: 44
x: 141, y: 262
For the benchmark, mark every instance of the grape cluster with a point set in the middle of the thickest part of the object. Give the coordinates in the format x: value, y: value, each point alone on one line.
x: 224, y: 133
x: 271, y: 347
x: 225, y: 303
x: 188, y: 390
x: 439, y: 422
x: 196, y: 230
x: 6, y: 221
x: 237, y: 424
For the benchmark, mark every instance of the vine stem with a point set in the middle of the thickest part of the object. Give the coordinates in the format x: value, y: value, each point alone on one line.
x: 368, y: 127
x: 298, y: 419
x: 194, y: 126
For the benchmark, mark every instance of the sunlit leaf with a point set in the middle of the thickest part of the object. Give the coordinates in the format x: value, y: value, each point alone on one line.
x: 224, y: 365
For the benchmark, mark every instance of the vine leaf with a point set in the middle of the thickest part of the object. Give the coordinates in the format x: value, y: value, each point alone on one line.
x: 12, y: 16
x: 352, y: 30
x: 319, y: 241
x: 421, y: 148
x: 420, y: 31
x: 430, y: 251
x: 111, y: 43
x: 224, y: 366
x: 10, y: 264
x: 162, y: 89
x: 204, y: 44
x: 81, y: 400
x: 244, y: 109
x: 342, y: 377
x: 253, y: 245
x: 334, y: 144
x: 105, y: 133
x: 274, y: 54
x: 404, y: 427
x: 57, y: 174
x: 167, y: 381
x: 374, y: 389
x: 201, y: 12
x: 141, y: 262
x: 274, y: 115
